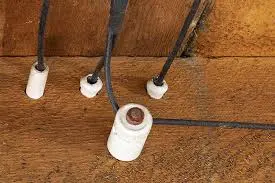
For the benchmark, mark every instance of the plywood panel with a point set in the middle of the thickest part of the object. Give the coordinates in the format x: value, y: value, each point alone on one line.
x: 62, y: 137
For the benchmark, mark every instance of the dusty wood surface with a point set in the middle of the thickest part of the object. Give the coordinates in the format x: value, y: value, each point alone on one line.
x: 62, y: 137
x: 239, y: 28
x: 78, y: 27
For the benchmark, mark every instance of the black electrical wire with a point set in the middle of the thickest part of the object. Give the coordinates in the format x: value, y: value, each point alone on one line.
x: 41, y: 33
x: 188, y: 21
x: 117, y: 12
x: 93, y: 79
x: 107, y: 68
x: 214, y: 124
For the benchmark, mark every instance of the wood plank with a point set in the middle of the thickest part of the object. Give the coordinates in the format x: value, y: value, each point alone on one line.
x: 2, y: 24
x: 78, y: 27
x: 62, y: 137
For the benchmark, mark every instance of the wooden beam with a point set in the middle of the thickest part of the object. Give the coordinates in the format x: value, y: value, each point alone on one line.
x: 235, y: 28
x: 62, y: 137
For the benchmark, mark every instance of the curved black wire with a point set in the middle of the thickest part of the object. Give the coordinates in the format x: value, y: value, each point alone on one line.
x: 41, y: 33
x: 107, y: 68
x: 188, y: 21
x: 117, y: 12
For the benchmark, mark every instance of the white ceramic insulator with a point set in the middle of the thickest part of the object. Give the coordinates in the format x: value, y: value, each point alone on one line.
x: 156, y: 92
x: 126, y: 141
x: 90, y: 90
x: 37, y: 82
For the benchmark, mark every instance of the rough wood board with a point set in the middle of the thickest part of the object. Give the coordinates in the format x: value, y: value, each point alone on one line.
x: 78, y: 27
x: 62, y: 137
x: 2, y: 24
x: 239, y: 28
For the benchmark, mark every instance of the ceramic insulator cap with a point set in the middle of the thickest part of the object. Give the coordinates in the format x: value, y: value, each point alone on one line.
x: 37, y: 82
x: 154, y: 91
x: 90, y: 90
x: 126, y: 140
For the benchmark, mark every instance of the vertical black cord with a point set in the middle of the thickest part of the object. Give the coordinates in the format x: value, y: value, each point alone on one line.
x: 117, y: 12
x: 159, y: 79
x: 41, y: 33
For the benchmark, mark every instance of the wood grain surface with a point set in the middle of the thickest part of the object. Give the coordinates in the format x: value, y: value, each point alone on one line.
x: 62, y: 137
x: 78, y: 28
x: 2, y: 25
x: 239, y: 28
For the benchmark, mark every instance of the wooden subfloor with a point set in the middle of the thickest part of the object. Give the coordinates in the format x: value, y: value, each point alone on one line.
x: 62, y: 137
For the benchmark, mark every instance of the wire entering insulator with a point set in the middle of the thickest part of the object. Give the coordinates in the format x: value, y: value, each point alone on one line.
x: 188, y: 21
x: 117, y: 13
x: 107, y: 68
x: 93, y: 79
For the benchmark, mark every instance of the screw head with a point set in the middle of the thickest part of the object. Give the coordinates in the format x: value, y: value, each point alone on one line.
x: 135, y: 116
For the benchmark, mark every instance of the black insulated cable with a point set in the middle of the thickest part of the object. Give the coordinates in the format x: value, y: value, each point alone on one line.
x: 108, y: 77
x: 188, y: 21
x: 93, y: 79
x: 117, y: 13
x: 200, y: 26
x: 214, y: 124
x: 41, y: 33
